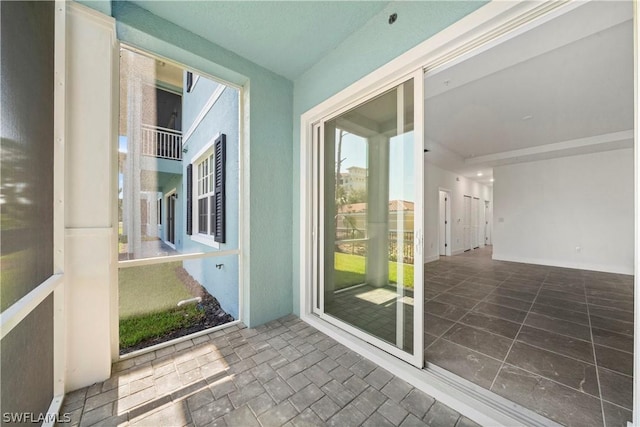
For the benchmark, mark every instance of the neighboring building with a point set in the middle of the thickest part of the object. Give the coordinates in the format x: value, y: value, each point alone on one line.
x: 354, y: 180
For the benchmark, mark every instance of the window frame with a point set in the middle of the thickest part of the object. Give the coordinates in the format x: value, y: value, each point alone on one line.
x: 198, y: 183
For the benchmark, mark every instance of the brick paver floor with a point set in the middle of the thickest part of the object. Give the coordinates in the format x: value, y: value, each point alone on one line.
x: 284, y: 373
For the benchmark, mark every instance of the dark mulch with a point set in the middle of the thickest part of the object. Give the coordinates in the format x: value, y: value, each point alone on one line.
x: 214, y: 315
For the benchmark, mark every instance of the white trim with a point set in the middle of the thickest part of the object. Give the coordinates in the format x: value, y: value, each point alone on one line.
x: 172, y: 258
x: 609, y: 141
x: 432, y: 258
x: 201, y: 115
x: 54, y: 408
x: 636, y: 296
x: 13, y: 315
x: 177, y: 340
x: 205, y: 239
x: 457, y: 252
x: 59, y: 125
x: 165, y: 226
x: 196, y: 77
x: 617, y: 269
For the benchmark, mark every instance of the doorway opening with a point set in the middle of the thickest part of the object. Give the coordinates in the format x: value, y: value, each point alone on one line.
x: 536, y: 128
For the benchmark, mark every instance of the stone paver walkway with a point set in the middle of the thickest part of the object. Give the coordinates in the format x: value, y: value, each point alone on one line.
x: 284, y: 373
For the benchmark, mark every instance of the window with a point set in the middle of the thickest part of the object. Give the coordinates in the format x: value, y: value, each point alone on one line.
x: 205, y: 193
x: 205, y: 180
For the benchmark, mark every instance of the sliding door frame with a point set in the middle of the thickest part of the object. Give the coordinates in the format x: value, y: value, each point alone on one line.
x: 473, y: 34
x: 318, y: 159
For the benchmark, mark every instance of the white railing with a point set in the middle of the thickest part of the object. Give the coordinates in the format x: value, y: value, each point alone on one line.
x: 161, y: 142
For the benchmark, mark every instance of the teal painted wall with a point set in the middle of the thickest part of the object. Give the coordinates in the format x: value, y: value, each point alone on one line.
x: 367, y: 49
x: 268, y: 101
x: 275, y: 105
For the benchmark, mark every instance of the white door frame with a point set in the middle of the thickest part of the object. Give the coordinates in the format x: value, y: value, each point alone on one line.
x: 477, y: 32
x: 165, y: 233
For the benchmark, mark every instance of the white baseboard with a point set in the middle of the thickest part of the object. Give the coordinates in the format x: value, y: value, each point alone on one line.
x: 431, y: 259
x: 616, y: 269
x: 457, y: 252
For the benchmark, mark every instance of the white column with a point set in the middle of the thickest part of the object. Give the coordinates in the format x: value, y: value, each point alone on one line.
x: 90, y: 188
x: 378, y: 211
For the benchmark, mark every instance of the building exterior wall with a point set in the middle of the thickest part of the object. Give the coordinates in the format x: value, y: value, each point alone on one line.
x: 222, y: 118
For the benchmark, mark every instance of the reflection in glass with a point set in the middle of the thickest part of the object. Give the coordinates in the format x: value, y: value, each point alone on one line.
x: 368, y: 217
x: 166, y: 174
x: 178, y: 194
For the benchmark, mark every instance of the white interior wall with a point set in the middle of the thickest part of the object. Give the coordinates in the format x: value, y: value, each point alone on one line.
x: 439, y: 179
x: 574, y: 212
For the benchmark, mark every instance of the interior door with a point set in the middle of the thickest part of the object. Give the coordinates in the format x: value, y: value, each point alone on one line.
x: 443, y: 223
x: 475, y: 222
x: 369, y: 206
x: 466, y: 223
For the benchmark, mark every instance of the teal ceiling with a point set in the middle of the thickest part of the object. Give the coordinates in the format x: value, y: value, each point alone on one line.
x: 286, y: 37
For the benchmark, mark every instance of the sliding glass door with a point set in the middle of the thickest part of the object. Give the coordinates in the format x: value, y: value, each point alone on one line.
x: 368, y: 204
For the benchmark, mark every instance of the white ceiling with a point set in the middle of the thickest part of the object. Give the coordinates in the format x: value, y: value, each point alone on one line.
x: 562, y: 88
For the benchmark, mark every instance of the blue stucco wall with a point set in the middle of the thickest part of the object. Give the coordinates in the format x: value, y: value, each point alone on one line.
x: 222, y: 118
x: 367, y: 49
x: 267, y: 153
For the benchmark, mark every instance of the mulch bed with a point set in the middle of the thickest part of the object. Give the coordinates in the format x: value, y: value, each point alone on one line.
x: 214, y: 315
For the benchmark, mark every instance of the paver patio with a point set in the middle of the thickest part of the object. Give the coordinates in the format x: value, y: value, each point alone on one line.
x: 284, y: 373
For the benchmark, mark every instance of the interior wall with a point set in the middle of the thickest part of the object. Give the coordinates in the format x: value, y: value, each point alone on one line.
x: 575, y: 212
x: 437, y: 179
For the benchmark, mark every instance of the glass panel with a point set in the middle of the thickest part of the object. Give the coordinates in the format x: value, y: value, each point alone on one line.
x: 26, y: 149
x: 173, y: 299
x: 155, y: 109
x: 368, y: 217
x: 154, y: 208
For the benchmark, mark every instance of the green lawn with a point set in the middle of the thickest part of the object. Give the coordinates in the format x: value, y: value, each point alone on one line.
x: 350, y: 270
x: 150, y: 289
x: 148, y: 303
x: 139, y: 328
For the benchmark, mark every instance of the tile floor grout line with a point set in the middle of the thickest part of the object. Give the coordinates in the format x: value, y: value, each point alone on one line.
x: 518, y: 333
x: 595, y: 359
x: 457, y: 322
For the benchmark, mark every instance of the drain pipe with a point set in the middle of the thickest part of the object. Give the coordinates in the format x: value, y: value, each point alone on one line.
x: 196, y: 300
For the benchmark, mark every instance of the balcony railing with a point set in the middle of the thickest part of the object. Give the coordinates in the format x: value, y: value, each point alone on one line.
x: 161, y: 142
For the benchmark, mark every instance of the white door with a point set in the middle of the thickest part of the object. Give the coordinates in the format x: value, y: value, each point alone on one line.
x: 487, y: 227
x: 369, y: 252
x: 466, y: 224
x: 475, y: 222
x: 442, y: 222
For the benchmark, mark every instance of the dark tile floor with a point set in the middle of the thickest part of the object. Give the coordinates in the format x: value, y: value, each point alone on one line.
x: 557, y: 341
